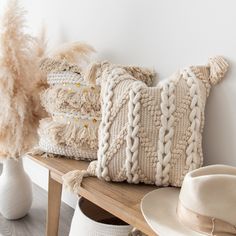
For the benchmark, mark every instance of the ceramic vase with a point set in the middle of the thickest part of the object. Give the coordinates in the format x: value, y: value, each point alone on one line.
x: 15, y: 190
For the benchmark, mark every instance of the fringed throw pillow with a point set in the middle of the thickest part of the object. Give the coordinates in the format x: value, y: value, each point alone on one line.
x: 153, y: 134
x: 74, y: 106
x: 73, y: 100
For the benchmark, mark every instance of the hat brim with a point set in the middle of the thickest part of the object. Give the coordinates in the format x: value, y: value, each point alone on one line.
x: 159, y: 210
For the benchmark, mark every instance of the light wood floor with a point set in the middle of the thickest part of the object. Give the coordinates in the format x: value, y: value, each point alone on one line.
x: 34, y: 223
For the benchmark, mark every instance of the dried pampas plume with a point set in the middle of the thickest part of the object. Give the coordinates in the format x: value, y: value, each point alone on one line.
x: 74, y: 53
x: 39, y: 78
x: 20, y: 82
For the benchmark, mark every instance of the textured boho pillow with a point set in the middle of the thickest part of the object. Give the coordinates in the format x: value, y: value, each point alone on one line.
x: 73, y: 100
x: 74, y: 107
x: 152, y: 134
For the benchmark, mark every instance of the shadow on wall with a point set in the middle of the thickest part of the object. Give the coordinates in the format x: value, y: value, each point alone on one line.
x: 219, y: 133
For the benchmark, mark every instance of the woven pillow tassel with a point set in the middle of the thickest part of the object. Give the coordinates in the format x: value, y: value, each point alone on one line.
x: 91, y: 73
x: 218, y: 67
x: 73, y: 179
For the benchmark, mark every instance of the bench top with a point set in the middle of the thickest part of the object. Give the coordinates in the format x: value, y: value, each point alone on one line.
x: 120, y: 199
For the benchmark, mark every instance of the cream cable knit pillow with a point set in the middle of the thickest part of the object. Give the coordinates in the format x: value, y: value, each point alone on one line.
x: 73, y: 100
x: 152, y: 135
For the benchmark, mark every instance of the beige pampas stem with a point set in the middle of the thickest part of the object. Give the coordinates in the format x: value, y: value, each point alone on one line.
x: 71, y: 57
x: 39, y: 82
x: 20, y: 82
x: 73, y: 52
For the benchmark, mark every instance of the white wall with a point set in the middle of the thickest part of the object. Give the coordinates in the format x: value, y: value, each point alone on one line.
x: 164, y: 34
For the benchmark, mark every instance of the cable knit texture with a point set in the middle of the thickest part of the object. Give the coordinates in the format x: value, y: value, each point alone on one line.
x: 154, y: 135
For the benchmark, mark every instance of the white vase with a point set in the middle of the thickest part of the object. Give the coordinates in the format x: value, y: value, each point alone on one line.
x: 15, y: 190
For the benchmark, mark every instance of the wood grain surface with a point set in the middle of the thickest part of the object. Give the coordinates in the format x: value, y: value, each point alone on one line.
x: 120, y: 199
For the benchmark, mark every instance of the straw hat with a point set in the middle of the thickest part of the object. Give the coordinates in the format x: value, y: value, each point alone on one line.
x: 205, y: 205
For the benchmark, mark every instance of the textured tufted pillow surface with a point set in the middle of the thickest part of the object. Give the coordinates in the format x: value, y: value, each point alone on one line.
x: 154, y: 134
x: 73, y: 101
x: 74, y: 108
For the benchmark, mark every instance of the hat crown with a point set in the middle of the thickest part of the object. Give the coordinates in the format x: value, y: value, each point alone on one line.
x: 211, y: 191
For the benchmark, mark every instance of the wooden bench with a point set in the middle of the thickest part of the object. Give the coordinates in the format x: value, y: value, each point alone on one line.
x: 120, y: 199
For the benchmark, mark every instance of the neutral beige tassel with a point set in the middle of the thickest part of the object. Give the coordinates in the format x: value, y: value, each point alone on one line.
x: 91, y: 73
x: 73, y: 179
x: 37, y: 152
x: 69, y: 133
x: 142, y: 74
x: 218, y: 67
x: 136, y: 232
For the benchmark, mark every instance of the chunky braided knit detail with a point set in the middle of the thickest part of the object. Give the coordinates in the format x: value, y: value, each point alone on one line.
x: 132, y: 138
x: 104, y: 135
x: 153, y: 135
x: 192, y: 160
x: 116, y: 76
x: 165, y: 134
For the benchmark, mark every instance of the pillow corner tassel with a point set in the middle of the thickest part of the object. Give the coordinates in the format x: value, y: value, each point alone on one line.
x: 73, y: 180
x: 218, y: 67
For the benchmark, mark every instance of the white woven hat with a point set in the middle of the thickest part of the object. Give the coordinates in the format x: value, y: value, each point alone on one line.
x: 205, y: 205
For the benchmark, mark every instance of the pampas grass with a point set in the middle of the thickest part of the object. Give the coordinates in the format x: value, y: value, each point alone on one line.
x: 73, y: 52
x: 20, y: 83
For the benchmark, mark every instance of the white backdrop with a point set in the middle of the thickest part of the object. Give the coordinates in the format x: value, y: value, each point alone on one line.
x: 164, y: 34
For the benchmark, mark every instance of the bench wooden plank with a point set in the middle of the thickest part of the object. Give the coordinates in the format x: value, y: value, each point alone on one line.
x: 120, y: 199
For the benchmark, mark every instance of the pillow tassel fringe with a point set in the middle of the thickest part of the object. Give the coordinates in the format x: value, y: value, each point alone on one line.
x: 218, y: 68
x: 38, y: 152
x: 69, y: 134
x: 73, y: 179
x: 91, y: 73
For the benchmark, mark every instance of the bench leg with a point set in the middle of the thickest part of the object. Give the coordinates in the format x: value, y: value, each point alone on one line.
x: 54, y: 205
